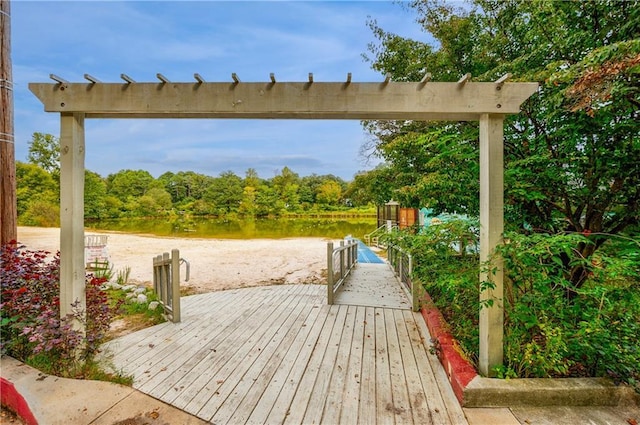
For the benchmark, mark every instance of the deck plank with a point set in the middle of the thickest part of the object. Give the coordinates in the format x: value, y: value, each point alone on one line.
x: 274, y: 355
x: 335, y: 398
x: 400, y: 405
x: 220, y: 379
x: 418, y: 404
x: 440, y: 383
x: 384, y: 395
x: 238, y: 406
x: 300, y: 381
x: 320, y: 389
x: 193, y: 348
x: 289, y: 372
x: 367, y: 407
x: 372, y: 285
x: 351, y: 396
x: 170, y: 386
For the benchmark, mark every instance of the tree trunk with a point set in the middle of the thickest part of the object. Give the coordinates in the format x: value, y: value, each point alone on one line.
x: 8, y: 212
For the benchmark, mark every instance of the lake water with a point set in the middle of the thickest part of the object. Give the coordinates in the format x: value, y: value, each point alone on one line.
x: 334, y: 228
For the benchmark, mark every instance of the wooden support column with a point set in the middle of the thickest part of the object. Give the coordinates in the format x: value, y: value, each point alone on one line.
x: 491, y: 233
x: 72, y: 266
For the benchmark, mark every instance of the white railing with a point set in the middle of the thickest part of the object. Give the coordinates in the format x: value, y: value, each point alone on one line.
x: 402, y: 264
x: 166, y: 282
x: 340, y: 261
x: 373, y: 238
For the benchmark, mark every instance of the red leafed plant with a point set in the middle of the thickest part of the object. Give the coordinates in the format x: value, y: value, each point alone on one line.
x: 31, y: 327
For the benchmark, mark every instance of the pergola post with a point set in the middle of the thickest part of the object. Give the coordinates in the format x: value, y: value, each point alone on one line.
x: 72, y: 266
x: 491, y: 233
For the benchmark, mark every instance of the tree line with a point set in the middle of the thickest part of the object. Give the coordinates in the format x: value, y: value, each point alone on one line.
x: 136, y: 193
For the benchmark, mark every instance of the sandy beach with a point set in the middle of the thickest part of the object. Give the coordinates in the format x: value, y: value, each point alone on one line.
x: 216, y: 264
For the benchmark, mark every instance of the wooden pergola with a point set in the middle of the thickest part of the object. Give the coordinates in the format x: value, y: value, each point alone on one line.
x: 486, y: 102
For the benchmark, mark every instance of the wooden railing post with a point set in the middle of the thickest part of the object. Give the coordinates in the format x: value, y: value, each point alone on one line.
x: 175, y: 284
x: 341, y: 259
x: 330, y: 273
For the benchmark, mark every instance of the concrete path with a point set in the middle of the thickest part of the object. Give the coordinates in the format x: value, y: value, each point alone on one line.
x: 60, y: 401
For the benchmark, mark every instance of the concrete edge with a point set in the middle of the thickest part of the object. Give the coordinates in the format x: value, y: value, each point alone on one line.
x: 528, y: 392
x: 473, y: 390
x: 13, y: 400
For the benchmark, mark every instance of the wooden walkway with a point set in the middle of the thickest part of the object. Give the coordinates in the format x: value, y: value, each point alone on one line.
x: 372, y: 285
x: 279, y: 354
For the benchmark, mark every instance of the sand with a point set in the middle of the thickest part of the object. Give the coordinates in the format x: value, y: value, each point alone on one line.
x: 215, y: 264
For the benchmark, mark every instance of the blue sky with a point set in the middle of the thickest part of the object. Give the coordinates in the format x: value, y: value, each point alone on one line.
x: 214, y: 39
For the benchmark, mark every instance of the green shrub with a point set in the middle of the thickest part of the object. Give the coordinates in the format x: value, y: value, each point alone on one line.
x: 552, y: 329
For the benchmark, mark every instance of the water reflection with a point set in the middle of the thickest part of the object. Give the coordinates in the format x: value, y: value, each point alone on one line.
x: 242, y: 228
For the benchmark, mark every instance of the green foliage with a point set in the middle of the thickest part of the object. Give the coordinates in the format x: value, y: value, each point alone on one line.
x: 34, y: 184
x: 129, y: 183
x: 448, y: 269
x: 44, y: 151
x: 329, y: 193
x: 571, y: 156
x: 555, y: 329
x: 552, y: 328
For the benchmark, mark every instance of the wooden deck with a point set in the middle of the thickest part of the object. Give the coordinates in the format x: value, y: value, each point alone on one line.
x: 279, y: 354
x: 372, y: 285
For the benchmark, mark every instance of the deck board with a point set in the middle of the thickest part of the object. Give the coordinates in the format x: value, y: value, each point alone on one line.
x: 279, y: 354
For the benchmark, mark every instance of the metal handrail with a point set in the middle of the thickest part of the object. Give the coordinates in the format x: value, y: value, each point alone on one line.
x: 373, y: 238
x: 340, y: 261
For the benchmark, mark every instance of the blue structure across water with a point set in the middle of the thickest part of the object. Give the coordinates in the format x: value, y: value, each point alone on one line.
x: 365, y: 255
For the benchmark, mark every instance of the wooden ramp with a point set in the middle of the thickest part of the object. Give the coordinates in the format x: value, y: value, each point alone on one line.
x: 279, y: 354
x: 372, y: 285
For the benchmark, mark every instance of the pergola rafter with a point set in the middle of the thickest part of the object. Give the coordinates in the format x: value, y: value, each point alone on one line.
x: 464, y: 100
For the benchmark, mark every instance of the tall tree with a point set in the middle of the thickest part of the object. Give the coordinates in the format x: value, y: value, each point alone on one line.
x: 572, y: 155
x: 129, y: 183
x: 44, y: 151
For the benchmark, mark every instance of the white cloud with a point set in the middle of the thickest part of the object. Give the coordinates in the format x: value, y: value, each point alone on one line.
x: 213, y: 38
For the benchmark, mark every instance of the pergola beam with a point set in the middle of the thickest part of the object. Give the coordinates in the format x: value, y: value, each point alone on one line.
x: 287, y: 100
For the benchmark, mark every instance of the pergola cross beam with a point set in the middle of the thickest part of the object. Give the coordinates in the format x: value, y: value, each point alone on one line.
x: 286, y: 100
x: 464, y: 100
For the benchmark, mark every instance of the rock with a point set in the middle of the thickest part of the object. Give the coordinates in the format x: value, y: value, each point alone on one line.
x: 153, y: 305
x: 142, y: 299
x: 140, y: 290
x: 115, y: 285
x: 129, y: 288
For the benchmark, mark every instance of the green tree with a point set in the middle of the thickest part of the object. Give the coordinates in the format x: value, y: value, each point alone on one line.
x: 571, y: 156
x: 248, y: 203
x: 286, y: 185
x: 268, y: 203
x: 44, y: 151
x: 95, y: 193
x: 329, y: 193
x: 34, y: 184
x: 364, y: 188
x: 251, y: 178
x: 184, y: 186
x: 225, y: 193
x: 129, y: 183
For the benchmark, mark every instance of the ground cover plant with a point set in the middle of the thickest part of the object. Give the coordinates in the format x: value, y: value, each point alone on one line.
x: 31, y: 328
x: 552, y: 327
